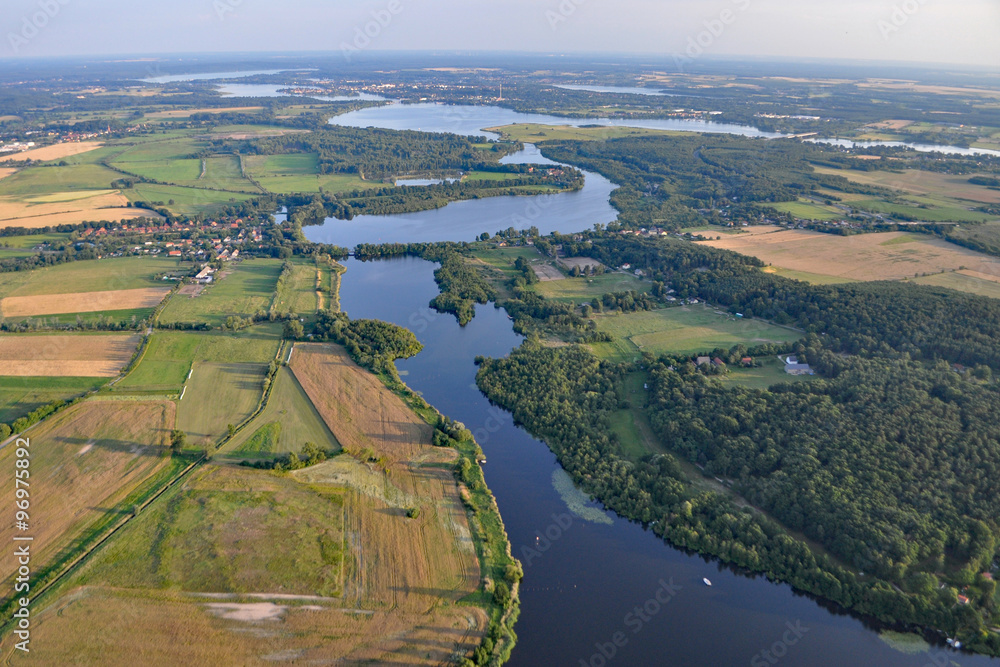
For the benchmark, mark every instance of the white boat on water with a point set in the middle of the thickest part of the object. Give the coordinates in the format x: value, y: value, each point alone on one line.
x: 707, y: 582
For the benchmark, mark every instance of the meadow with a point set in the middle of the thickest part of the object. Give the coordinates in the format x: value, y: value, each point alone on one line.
x: 77, y: 356
x: 100, y: 275
x: 882, y: 256
x: 23, y: 394
x: 217, y: 395
x: 580, y: 290
x: 242, y: 289
x: 298, y: 293
x: 686, y: 330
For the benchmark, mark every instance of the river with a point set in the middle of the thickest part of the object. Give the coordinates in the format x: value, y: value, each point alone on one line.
x: 585, y: 578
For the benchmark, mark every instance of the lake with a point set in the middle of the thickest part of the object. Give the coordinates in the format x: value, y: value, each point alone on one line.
x: 584, y: 578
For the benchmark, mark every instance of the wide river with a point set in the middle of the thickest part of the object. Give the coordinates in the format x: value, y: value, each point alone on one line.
x: 586, y: 579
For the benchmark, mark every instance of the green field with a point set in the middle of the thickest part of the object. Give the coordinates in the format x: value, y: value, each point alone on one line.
x: 962, y: 283
x: 808, y: 210
x: 187, y: 201
x: 685, y: 330
x: 97, y: 275
x: 579, y: 290
x: 170, y: 355
x: 219, y: 533
x: 248, y: 288
x: 298, y: 292
x: 217, y: 395
x: 812, y: 278
x: 289, y: 421
x: 21, y: 395
x: 47, y: 180
x: 770, y: 372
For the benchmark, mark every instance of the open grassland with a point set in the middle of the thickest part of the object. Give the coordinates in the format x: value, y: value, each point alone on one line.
x: 289, y: 421
x: 53, y: 152
x: 918, y: 182
x: 294, y: 569
x: 808, y: 210
x: 770, y: 371
x: 298, y: 293
x: 85, y: 463
x: 535, y: 133
x: 216, y: 395
x: 579, y: 290
x: 806, y: 277
x: 21, y: 395
x: 101, y: 275
x: 169, y: 356
x: 684, y: 330
x: 82, y: 302
x: 300, y: 173
x: 187, y: 200
x: 65, y: 356
x: 187, y: 113
x: 33, y: 181
x: 241, y: 290
x: 884, y: 256
x: 964, y: 281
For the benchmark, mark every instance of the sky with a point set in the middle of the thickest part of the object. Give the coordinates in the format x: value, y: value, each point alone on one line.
x: 925, y: 31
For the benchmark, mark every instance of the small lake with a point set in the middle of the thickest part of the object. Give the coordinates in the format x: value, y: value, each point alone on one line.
x: 624, y: 90
x: 585, y: 577
x: 209, y: 76
x: 922, y: 148
x: 272, y: 90
x: 464, y: 220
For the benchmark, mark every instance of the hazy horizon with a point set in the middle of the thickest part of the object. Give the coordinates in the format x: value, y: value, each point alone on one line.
x: 911, y: 31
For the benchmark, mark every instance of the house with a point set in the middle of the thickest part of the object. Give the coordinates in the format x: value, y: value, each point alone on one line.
x: 799, y: 369
x: 703, y: 361
x: 963, y: 599
x: 174, y: 253
x: 747, y: 361
x: 988, y: 576
x: 718, y: 362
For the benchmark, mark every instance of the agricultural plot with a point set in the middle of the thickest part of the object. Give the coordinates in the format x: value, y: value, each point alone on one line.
x: 33, y: 181
x: 298, y: 293
x: 216, y: 395
x: 20, y: 396
x: 187, y: 200
x: 67, y: 208
x: 918, y: 182
x: 288, y: 422
x: 83, y: 302
x: 241, y: 290
x: 103, y: 275
x: 684, y: 330
x: 53, y: 152
x: 170, y: 355
x: 964, y: 281
x: 65, y: 356
x: 885, y: 256
x: 88, y: 464
x: 579, y: 290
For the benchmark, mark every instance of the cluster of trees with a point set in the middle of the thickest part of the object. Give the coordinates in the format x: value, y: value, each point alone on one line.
x: 566, y: 396
x: 461, y: 289
x: 373, y: 344
x: 310, y: 455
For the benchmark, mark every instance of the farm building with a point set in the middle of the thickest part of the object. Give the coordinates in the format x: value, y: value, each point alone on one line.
x: 799, y: 369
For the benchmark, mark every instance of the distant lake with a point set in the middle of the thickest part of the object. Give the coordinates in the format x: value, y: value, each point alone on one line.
x: 272, y: 90
x: 470, y: 120
x: 208, y: 76
x: 923, y: 148
x: 624, y: 90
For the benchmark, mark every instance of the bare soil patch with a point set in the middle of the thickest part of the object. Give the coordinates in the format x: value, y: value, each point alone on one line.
x: 82, y: 302
x: 547, y: 272
x: 584, y: 263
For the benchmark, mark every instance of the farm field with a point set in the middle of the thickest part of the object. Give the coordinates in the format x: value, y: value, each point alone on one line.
x: 806, y: 277
x: 170, y: 354
x: 533, y: 133
x: 918, y: 182
x: 22, y: 395
x: 883, y: 256
x: 187, y: 200
x: 67, y: 208
x: 66, y: 356
x: 770, y: 372
x: 808, y: 210
x: 101, y: 275
x: 298, y: 293
x: 684, y: 330
x: 578, y: 290
x: 83, y: 302
x: 85, y: 463
x: 53, y: 152
x: 216, y: 395
x: 964, y: 281
x: 240, y: 290
x: 34, y: 181
x: 289, y: 421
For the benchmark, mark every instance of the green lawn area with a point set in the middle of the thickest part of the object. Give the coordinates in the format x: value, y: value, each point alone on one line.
x: 171, y: 354
x: 248, y: 287
x: 21, y: 395
x: 770, y: 372
x: 97, y: 275
x: 288, y: 422
x: 300, y: 173
x: 684, y: 330
x: 187, y: 201
x: 578, y: 290
x: 175, y: 170
x: 218, y: 395
x: 157, y: 150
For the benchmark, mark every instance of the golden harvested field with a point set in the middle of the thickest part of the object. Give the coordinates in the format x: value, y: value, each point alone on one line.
x: 84, y: 461
x: 67, y: 208
x: 184, y: 113
x: 82, y: 302
x: 65, y: 356
x: 885, y: 256
x: 54, y: 152
x: 4, y: 173
x: 919, y: 182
